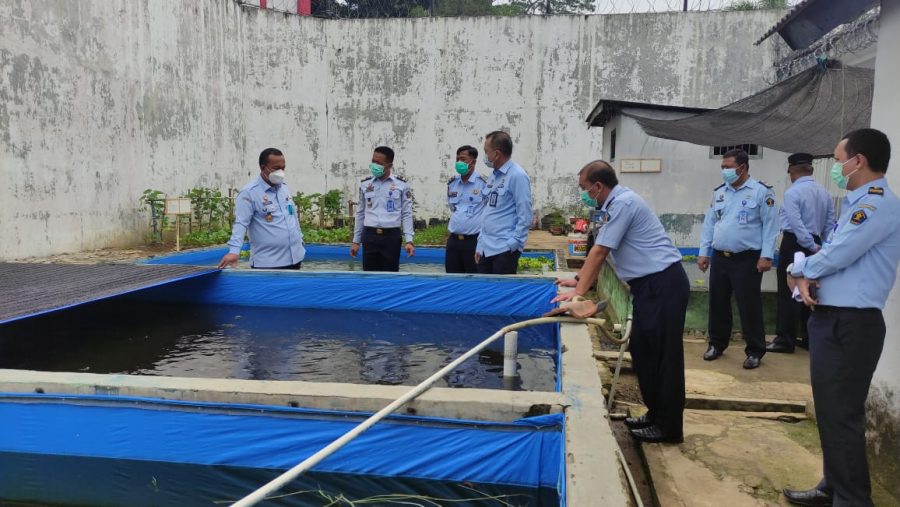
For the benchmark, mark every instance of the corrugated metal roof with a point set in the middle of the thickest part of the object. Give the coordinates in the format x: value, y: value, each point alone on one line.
x: 31, y: 289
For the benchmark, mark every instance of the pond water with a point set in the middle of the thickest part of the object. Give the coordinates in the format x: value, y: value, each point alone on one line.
x: 268, y: 343
x: 38, y: 479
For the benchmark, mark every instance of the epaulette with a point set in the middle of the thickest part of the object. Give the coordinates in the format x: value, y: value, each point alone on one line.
x: 763, y: 183
x: 876, y: 191
x: 720, y: 186
x: 483, y: 178
x: 451, y: 180
x: 366, y: 179
x: 401, y: 178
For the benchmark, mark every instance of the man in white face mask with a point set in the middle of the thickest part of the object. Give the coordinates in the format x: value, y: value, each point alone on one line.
x: 265, y: 210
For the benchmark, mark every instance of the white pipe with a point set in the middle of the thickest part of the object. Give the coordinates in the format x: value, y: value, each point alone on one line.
x: 631, y: 483
x: 612, y: 388
x: 298, y: 469
x: 511, y: 354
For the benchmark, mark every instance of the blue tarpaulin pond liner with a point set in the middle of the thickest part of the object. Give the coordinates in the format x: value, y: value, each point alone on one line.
x: 527, y: 452
x: 211, y: 256
x: 464, y: 294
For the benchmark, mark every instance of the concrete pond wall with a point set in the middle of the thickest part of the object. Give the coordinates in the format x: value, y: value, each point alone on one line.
x: 101, y: 100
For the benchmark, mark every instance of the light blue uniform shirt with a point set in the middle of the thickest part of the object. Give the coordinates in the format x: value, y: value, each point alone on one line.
x: 740, y: 219
x: 269, y: 216
x: 638, y: 243
x: 386, y: 204
x: 807, y: 211
x: 466, y: 200
x: 507, y: 216
x: 857, y: 266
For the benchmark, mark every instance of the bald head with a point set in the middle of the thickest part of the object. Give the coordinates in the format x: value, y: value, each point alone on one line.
x: 599, y: 171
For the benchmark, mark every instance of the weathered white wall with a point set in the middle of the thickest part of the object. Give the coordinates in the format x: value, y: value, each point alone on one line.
x: 884, y: 397
x: 102, y: 99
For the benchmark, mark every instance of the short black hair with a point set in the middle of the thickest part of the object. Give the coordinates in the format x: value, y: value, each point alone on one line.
x: 387, y: 152
x: 264, y: 156
x: 500, y: 140
x: 600, y: 170
x: 871, y: 143
x: 470, y: 151
x: 739, y: 156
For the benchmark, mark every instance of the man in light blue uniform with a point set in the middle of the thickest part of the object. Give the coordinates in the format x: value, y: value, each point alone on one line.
x: 466, y: 198
x: 385, y: 208
x: 507, y: 216
x: 806, y: 217
x: 644, y: 257
x: 739, y: 234
x: 265, y: 210
x: 854, y: 272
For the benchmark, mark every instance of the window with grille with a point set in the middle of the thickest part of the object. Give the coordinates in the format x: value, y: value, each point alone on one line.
x: 753, y: 150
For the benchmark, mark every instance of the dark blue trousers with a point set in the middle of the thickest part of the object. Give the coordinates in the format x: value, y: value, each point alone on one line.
x: 657, y: 348
x: 844, y: 347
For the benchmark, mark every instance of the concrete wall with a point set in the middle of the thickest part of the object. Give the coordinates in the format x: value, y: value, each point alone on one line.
x: 884, y: 397
x: 100, y: 100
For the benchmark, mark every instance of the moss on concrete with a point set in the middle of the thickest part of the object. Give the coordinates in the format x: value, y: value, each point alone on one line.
x: 698, y: 312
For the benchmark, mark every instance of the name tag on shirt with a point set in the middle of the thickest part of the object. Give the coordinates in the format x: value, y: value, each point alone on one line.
x: 390, y: 206
x: 493, y: 200
x: 743, y: 217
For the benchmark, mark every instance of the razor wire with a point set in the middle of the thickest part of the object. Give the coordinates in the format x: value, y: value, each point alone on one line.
x: 847, y: 39
x: 360, y: 9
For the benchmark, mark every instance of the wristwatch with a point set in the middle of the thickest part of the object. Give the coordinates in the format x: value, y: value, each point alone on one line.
x: 577, y: 278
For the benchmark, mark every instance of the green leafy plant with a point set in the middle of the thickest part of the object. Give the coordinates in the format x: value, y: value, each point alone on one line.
x: 534, y: 264
x: 307, y: 208
x: 155, y: 202
x: 205, y: 238
x: 433, y: 235
x: 331, y: 204
x: 319, y: 235
x: 210, y: 209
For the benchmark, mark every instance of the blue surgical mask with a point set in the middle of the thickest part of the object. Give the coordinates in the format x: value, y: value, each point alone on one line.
x: 837, y: 174
x: 462, y: 168
x: 487, y: 162
x: 377, y: 170
x: 729, y: 175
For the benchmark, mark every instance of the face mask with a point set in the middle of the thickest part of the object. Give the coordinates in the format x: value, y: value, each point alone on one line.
x: 729, y: 174
x: 837, y: 174
x: 276, y: 177
x: 587, y: 199
x: 377, y: 170
x: 487, y: 161
x: 462, y: 168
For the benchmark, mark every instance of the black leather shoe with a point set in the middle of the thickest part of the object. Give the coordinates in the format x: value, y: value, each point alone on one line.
x: 779, y: 346
x: 653, y: 434
x: 712, y: 353
x: 803, y: 343
x: 751, y: 362
x: 809, y: 497
x: 638, y: 422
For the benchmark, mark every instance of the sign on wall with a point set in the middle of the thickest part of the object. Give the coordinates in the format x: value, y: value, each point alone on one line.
x: 640, y: 165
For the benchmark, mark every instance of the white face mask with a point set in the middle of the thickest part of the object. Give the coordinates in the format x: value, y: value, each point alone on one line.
x: 276, y: 177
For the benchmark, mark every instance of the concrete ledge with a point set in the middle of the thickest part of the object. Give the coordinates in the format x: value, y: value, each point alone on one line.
x: 474, y: 404
x: 701, y: 402
x: 594, y: 474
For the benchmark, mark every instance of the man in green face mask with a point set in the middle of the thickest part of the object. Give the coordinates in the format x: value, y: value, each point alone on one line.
x: 466, y: 199
x: 384, y: 216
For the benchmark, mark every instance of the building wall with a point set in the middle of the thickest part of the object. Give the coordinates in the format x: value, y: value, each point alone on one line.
x: 100, y: 100
x: 884, y: 397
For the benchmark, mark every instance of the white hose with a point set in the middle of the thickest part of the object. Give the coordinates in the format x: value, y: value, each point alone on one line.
x: 288, y: 476
x: 626, y: 335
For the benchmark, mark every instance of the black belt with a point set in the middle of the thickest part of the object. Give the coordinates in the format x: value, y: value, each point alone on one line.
x: 463, y: 237
x: 847, y: 309
x: 382, y: 230
x: 737, y: 255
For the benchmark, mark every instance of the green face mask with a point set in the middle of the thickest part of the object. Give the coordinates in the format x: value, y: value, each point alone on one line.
x: 377, y: 170
x: 462, y: 168
x: 587, y: 199
x: 837, y: 174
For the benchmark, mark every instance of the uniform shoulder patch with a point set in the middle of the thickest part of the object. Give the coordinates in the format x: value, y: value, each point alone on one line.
x: 401, y: 178
x: 763, y: 183
x: 876, y: 190
x: 451, y: 180
x: 770, y: 201
x: 482, y: 178
x: 720, y: 186
x: 859, y: 216
x: 366, y: 179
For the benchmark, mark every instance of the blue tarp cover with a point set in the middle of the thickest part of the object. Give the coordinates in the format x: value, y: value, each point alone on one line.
x: 404, y: 292
x: 527, y: 452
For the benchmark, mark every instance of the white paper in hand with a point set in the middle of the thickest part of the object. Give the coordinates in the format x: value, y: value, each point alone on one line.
x: 798, y: 256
